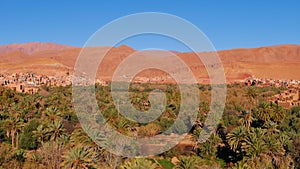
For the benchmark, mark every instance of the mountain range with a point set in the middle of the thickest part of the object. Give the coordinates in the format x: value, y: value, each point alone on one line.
x: 277, y: 62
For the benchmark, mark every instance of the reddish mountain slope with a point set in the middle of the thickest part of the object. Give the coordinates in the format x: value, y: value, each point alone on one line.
x: 32, y: 47
x: 281, y: 62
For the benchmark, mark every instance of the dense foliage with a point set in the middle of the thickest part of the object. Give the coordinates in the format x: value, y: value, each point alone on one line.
x: 42, y: 131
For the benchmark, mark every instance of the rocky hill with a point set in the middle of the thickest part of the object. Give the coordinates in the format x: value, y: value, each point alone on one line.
x: 280, y: 62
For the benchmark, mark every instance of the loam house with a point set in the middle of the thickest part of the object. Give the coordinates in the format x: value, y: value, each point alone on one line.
x: 288, y: 98
x: 29, y: 82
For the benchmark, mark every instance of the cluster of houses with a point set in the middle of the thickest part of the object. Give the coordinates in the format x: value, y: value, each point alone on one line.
x: 288, y: 98
x: 271, y: 82
x: 29, y: 82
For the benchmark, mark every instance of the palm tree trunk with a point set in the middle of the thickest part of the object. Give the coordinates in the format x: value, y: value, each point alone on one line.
x: 249, y: 119
x: 13, y: 139
x: 17, y: 140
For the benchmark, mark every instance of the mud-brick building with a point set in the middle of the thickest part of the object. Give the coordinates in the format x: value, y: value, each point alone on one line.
x: 22, y: 88
x: 288, y: 98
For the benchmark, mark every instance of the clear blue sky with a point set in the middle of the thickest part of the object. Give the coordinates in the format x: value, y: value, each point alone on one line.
x: 228, y: 24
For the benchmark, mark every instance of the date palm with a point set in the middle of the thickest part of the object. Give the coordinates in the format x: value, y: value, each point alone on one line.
x: 186, y: 162
x: 80, y: 137
x: 274, y: 145
x: 285, y: 140
x: 278, y: 113
x: 55, y: 130
x: 78, y: 158
x: 12, y: 125
x: 241, y: 165
x: 254, y: 142
x: 264, y: 112
x: 258, y: 162
x: 236, y: 138
x: 139, y: 163
x: 40, y: 133
x: 52, y: 113
x: 252, y: 96
x: 272, y: 127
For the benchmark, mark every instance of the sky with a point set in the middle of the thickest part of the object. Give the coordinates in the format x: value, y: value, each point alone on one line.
x: 228, y: 24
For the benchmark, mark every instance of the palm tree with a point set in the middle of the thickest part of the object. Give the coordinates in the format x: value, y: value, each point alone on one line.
x: 52, y: 113
x: 189, y: 163
x: 80, y: 137
x: 278, y: 113
x: 12, y: 126
x: 254, y: 143
x: 258, y: 162
x: 272, y: 127
x: 252, y: 96
x: 19, y: 126
x: 286, y: 162
x: 285, y: 140
x: 40, y: 133
x: 55, y: 130
x: 264, y: 112
x: 241, y: 165
x: 274, y: 146
x: 78, y: 158
x: 236, y: 138
x: 139, y: 163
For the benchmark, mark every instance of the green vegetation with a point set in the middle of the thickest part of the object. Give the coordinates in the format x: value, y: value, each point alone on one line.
x: 42, y: 131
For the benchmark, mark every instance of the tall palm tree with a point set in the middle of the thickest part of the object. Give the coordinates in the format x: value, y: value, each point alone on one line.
x: 19, y: 126
x: 78, y: 158
x: 12, y: 126
x: 252, y: 96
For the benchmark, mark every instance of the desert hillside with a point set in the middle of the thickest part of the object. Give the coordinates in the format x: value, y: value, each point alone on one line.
x: 278, y: 62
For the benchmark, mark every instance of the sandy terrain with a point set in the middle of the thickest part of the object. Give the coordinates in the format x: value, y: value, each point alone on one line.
x: 280, y: 62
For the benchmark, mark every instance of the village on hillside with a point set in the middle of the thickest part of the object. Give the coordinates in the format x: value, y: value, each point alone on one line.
x: 288, y: 98
x: 30, y: 82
